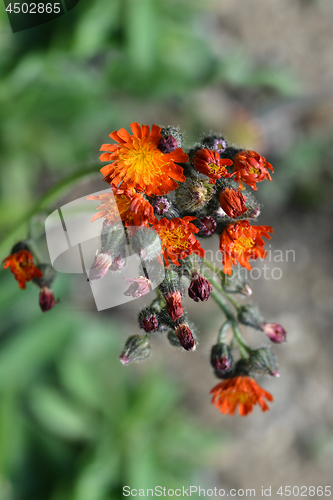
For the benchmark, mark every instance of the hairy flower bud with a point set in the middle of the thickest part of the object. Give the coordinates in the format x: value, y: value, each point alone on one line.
x: 148, y: 320
x: 174, y: 305
x: 161, y: 205
x: 185, y: 337
x: 250, y: 315
x: 46, y: 299
x: 199, y: 288
x: 207, y: 226
x: 221, y: 360
x: 275, y: 332
x: 194, y: 194
x: 167, y: 144
x: 237, y: 284
x: 263, y: 362
x: 232, y: 202
x: 136, y: 348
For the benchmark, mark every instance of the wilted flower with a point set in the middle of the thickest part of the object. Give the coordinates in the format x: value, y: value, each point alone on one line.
x: 199, y: 288
x: 232, y: 202
x: 185, y: 337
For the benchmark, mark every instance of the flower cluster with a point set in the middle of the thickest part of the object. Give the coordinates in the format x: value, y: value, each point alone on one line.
x: 185, y: 197
x: 168, y: 201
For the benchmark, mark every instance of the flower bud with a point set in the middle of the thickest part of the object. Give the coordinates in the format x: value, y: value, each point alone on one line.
x: 232, y: 202
x: 263, y: 362
x: 21, y: 245
x: 221, y: 360
x: 275, y: 332
x: 185, y: 337
x: 148, y: 320
x: 250, y: 315
x: 46, y: 299
x: 215, y: 142
x: 207, y: 226
x: 138, y: 286
x: 199, y: 288
x: 100, y: 266
x: 161, y: 205
x: 174, y: 305
x: 194, y: 194
x: 136, y: 348
x: 167, y: 144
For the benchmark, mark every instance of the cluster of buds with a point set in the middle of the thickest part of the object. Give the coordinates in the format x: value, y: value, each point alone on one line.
x: 169, y: 199
x: 21, y: 262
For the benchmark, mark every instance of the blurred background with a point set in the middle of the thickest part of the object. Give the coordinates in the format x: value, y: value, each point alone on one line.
x: 74, y: 423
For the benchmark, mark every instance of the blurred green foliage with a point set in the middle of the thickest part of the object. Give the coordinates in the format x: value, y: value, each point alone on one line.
x: 74, y: 423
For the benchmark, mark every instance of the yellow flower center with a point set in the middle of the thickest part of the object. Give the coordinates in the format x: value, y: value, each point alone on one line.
x: 242, y: 243
x: 216, y: 169
x: 143, y: 161
x: 254, y: 170
x: 176, y: 238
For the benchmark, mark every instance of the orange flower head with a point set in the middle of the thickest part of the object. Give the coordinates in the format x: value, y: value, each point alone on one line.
x: 243, y: 391
x: 232, y: 202
x: 177, y: 238
x: 22, y: 266
x: 240, y: 242
x: 138, y: 163
x: 209, y: 163
x: 133, y: 208
x: 250, y: 168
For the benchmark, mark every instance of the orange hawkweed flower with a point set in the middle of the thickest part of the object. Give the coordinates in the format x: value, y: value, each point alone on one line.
x: 138, y: 163
x: 240, y: 242
x: 232, y: 202
x: 209, y: 163
x: 243, y: 391
x: 133, y: 208
x: 177, y: 238
x: 250, y: 168
x: 22, y: 266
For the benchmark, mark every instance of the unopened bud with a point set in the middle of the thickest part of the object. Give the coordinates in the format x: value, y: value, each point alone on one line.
x: 173, y: 339
x: 185, y: 337
x: 100, y: 266
x: 275, y: 332
x: 136, y: 348
x: 138, y: 286
x: 161, y: 205
x: 46, y: 299
x: 193, y: 194
x: 207, y: 226
x: 232, y: 202
x: 171, y: 136
x: 148, y: 319
x: 199, y: 288
x: 263, y: 362
x: 221, y: 360
x: 174, y: 305
x: 250, y: 315
x: 167, y: 144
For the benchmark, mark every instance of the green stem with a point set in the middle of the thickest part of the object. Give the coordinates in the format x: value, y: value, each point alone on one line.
x: 219, y: 287
x: 46, y: 199
x: 223, y: 332
x: 244, y: 348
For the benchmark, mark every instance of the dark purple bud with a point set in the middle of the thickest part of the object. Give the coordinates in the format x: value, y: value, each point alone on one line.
x: 221, y: 360
x: 199, y: 288
x: 207, y: 225
x: 167, y: 144
x: 46, y: 299
x: 185, y: 337
x: 148, y: 320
